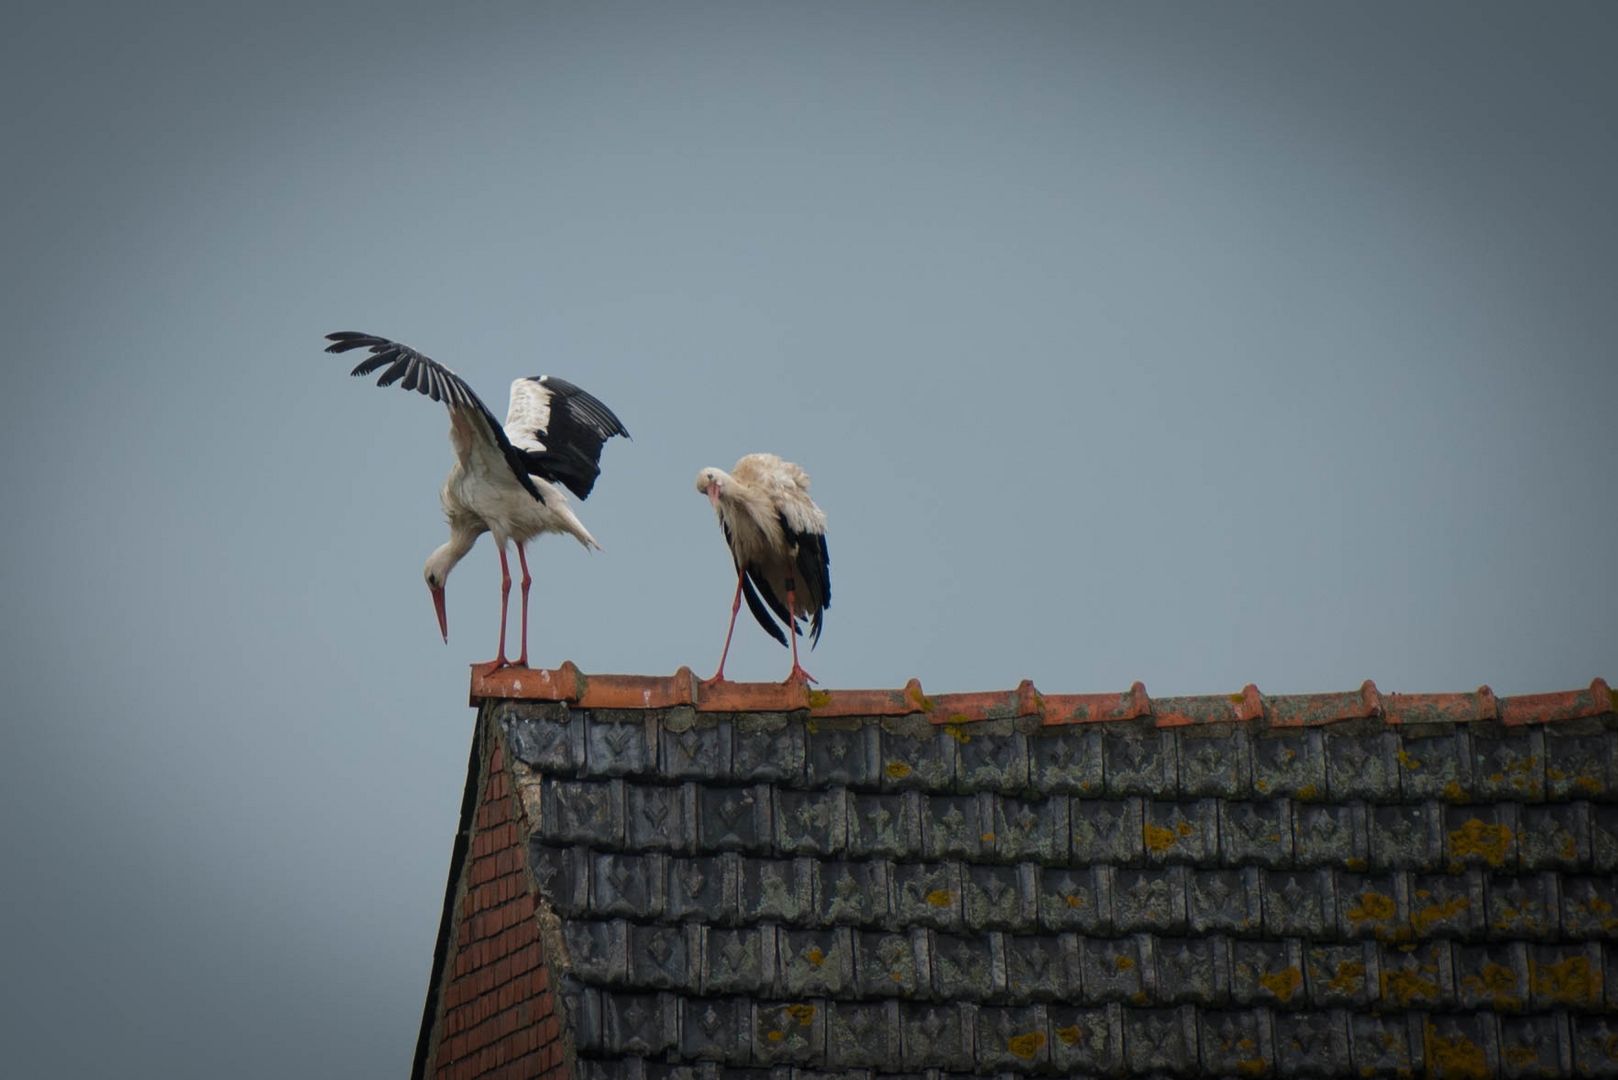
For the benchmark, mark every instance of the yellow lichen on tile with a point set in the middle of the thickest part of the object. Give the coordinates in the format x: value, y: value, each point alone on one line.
x: 1491, y: 843
x: 803, y: 1013
x: 940, y: 898
x: 1027, y: 1045
x: 1457, y: 1056
x: 1123, y: 963
x: 1423, y: 918
x: 1071, y: 1035
x: 1373, y: 907
x: 815, y: 956
x: 1569, y: 981
x: 897, y: 770
x: 1158, y: 838
x: 1403, y: 987
x: 1283, y: 984
x: 1497, y: 983
x: 1349, y: 978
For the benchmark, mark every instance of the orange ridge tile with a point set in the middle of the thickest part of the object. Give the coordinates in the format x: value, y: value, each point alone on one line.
x: 568, y: 684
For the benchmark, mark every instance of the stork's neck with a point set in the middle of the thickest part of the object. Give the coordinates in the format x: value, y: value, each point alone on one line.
x: 452, y: 551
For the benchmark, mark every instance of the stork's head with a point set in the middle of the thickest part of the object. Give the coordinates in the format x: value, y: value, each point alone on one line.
x: 711, y: 482
x: 436, y: 572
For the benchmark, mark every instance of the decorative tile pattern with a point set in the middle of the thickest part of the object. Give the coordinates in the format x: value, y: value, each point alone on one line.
x: 773, y: 897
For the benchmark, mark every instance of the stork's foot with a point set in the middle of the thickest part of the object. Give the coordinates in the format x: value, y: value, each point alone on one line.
x: 799, y: 676
x: 501, y: 662
x: 709, y: 684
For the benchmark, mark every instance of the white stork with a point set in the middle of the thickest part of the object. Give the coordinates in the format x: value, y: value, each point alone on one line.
x: 504, y: 480
x: 777, y: 537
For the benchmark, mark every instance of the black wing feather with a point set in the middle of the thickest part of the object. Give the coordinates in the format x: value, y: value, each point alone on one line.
x: 756, y: 606
x: 579, y: 427
x: 427, y: 376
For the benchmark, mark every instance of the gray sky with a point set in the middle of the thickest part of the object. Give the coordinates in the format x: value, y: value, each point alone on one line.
x: 1197, y: 344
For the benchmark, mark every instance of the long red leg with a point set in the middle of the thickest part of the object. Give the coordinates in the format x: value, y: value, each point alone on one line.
x: 735, y: 606
x: 522, y: 557
x: 500, y: 660
x: 797, y: 674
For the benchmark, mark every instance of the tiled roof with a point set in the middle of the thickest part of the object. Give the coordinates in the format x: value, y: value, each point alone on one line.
x: 769, y: 882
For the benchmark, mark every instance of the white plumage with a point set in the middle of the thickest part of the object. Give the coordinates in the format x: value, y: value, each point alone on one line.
x: 507, y: 479
x: 777, y: 538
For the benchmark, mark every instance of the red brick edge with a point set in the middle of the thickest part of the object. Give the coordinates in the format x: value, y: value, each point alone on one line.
x: 567, y: 683
x: 496, y: 1011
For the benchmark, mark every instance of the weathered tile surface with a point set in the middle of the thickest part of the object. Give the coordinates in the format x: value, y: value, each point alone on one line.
x: 769, y: 897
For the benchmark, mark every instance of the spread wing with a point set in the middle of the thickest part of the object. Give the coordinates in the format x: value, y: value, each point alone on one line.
x: 558, y: 430
x: 414, y: 371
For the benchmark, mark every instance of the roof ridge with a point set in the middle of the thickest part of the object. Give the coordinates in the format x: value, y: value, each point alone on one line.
x: 571, y: 685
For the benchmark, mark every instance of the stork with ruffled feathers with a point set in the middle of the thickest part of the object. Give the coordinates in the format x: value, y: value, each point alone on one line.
x: 777, y: 538
x: 507, y: 479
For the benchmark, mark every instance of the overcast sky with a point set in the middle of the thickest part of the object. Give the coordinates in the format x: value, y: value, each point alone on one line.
x: 1197, y: 344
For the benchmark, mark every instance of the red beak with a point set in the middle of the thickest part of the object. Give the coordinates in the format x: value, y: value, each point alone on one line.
x: 713, y: 496
x: 438, y: 605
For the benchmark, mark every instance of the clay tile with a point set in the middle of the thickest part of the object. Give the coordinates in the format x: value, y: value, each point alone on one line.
x: 534, y: 684
x: 1095, y: 708
x: 1560, y: 705
x: 1310, y: 710
x: 752, y: 697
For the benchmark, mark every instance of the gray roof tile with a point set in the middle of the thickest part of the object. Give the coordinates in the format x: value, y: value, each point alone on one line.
x: 1149, y: 899
x: 715, y: 1029
x: 1012, y: 1037
x: 1435, y: 766
x: 1555, y: 836
x: 1107, y: 830
x: 1581, y: 766
x: 628, y: 885
x: 1290, y: 763
x: 1215, y: 761
x: 858, y: 892
x: 1229, y: 901
x: 843, y: 752
x: 1236, y: 1042
x: 1066, y: 761
x: 885, y: 824
x: 893, y: 964
x: 703, y: 889
x: 1491, y: 976
x: 1509, y: 766
x: 1332, y: 834
x: 767, y: 747
x: 1536, y: 1045
x: 1312, y: 1043
x: 1075, y: 898
x: 1255, y: 832
x: 811, y: 822
x: 1136, y: 762
x: 1383, y: 1044
x: 739, y: 961
x: 693, y: 750
x: 991, y: 756
x: 1182, y: 832
x: 938, y: 1035
x: 862, y: 1033
x: 1087, y: 1040
x: 1160, y: 1039
x: 966, y: 967
x: 1362, y: 765
x: 927, y: 894
x: 999, y: 897
x: 917, y: 754
x: 619, y: 743
x: 780, y: 898
x: 793, y: 1031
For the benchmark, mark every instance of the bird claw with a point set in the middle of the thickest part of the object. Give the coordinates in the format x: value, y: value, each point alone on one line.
x: 799, y: 676
x: 709, y: 684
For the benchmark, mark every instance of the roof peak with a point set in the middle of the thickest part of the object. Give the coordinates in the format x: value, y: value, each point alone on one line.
x: 568, y: 684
